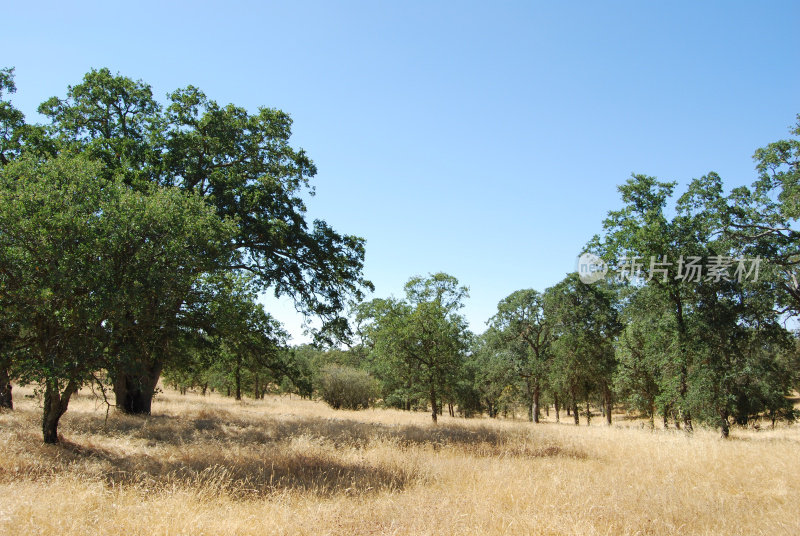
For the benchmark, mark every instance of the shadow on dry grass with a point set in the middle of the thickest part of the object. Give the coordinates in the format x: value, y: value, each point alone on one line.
x: 224, y: 427
x: 246, y: 474
x: 219, y: 452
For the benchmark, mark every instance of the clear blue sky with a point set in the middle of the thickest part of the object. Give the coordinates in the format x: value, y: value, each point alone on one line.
x: 483, y: 139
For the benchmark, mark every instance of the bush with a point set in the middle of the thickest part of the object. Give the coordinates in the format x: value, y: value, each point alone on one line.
x: 347, y: 387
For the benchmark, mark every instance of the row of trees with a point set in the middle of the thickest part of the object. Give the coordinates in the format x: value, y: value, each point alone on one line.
x: 659, y: 335
x: 136, y: 236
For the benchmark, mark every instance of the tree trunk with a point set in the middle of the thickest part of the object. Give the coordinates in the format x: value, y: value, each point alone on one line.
x: 237, y: 378
x: 588, y: 413
x: 450, y: 409
x: 6, y: 401
x: 55, y: 405
x: 255, y: 389
x: 205, y: 388
x: 724, y: 427
x: 434, y: 411
x: 134, y: 390
x: 575, y: 409
x: 535, y: 409
x: 683, y: 386
x: 687, y: 422
x: 609, y: 406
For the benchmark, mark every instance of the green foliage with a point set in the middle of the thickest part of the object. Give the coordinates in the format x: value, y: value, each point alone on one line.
x: 204, y: 190
x: 92, y: 271
x: 525, y: 335
x: 493, y: 374
x: 52, y: 216
x: 111, y: 119
x: 585, y: 324
x: 693, y: 343
x: 239, y: 163
x: 763, y: 219
x: 417, y: 345
x: 347, y: 388
x: 12, y: 121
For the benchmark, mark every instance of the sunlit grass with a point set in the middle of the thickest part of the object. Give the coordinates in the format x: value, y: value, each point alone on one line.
x: 210, y: 465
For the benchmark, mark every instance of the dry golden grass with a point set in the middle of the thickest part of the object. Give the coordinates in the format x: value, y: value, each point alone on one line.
x: 209, y: 465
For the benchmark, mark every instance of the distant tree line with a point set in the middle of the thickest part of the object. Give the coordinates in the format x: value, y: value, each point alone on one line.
x: 688, y: 326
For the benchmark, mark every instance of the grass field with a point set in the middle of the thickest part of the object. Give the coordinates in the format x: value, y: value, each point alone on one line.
x: 210, y: 465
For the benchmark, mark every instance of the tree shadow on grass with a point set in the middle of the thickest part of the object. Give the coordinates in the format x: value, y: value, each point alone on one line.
x: 215, y: 451
x: 245, y: 475
x: 226, y: 428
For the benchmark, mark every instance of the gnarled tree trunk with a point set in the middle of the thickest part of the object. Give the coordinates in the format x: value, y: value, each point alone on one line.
x: 434, y: 409
x: 134, y: 389
x: 687, y: 422
x: 55, y: 405
x: 724, y: 426
x: 6, y: 402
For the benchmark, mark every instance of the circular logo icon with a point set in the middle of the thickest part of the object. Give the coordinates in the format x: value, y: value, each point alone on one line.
x: 591, y: 268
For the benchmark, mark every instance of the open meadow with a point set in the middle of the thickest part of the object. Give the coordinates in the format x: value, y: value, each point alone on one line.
x: 210, y: 465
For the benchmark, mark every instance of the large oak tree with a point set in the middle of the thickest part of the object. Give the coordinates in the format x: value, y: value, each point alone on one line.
x: 238, y: 162
x: 88, y: 266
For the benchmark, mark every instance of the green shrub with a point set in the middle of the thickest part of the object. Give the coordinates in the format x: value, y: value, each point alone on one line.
x: 347, y: 387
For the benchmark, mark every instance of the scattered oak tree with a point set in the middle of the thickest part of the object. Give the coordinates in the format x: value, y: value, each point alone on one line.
x: 60, y: 250
x: 525, y: 334
x: 421, y: 340
x: 238, y: 163
x: 585, y: 325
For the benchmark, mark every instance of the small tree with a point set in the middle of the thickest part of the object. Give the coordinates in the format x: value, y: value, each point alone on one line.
x: 525, y: 333
x: 585, y: 325
x: 492, y: 368
x: 644, y: 355
x: 347, y: 387
x: 419, y: 342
